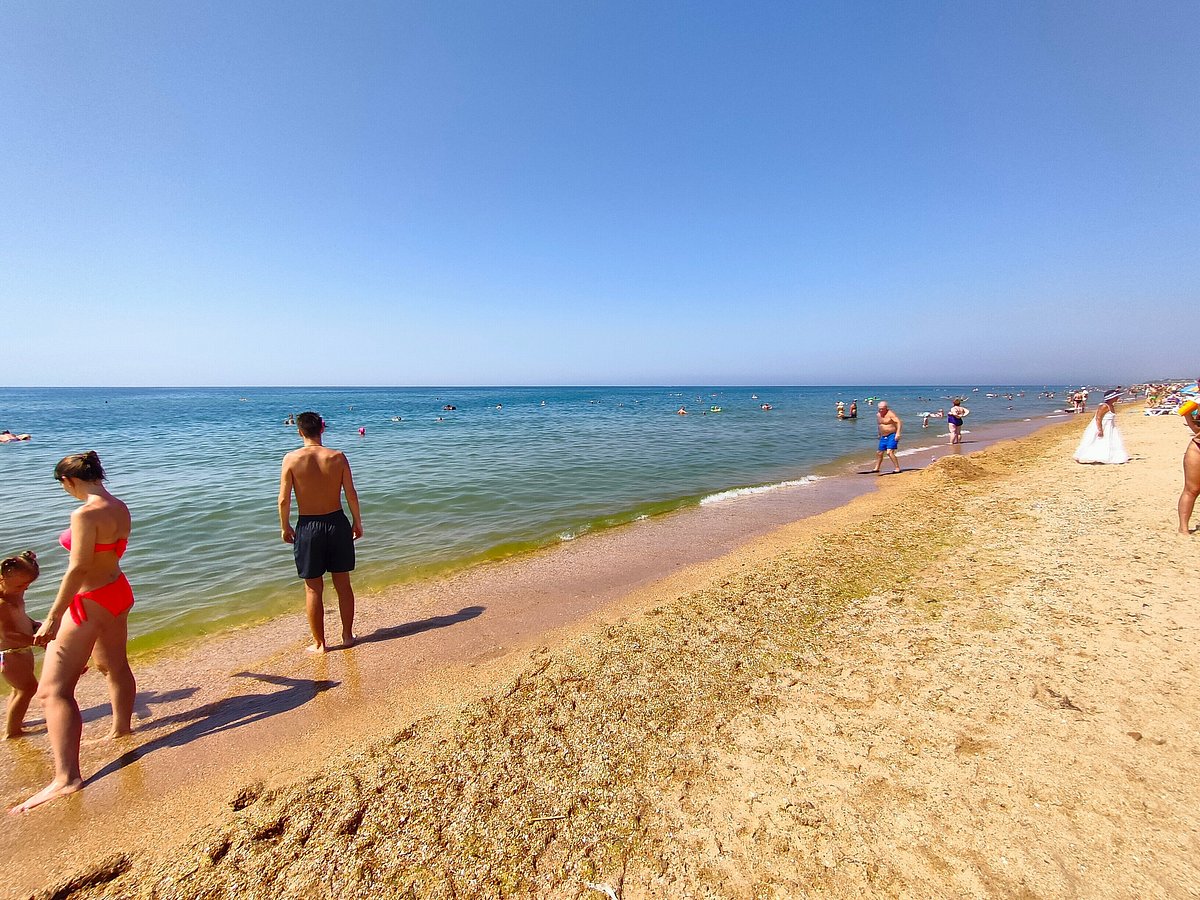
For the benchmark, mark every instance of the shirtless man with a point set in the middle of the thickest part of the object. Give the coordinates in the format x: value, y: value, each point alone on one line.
x: 889, y: 435
x: 323, y: 538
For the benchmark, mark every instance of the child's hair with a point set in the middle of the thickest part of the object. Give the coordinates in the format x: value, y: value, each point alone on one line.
x: 83, y: 466
x: 26, y: 562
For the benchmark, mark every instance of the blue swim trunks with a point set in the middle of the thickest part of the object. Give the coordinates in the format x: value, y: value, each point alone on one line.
x: 887, y: 442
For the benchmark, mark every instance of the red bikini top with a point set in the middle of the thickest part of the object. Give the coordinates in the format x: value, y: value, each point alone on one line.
x: 117, y: 547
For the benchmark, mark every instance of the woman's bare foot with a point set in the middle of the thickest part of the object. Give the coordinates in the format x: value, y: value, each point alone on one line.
x: 52, y: 791
x: 349, y: 640
x: 12, y: 735
x: 112, y: 735
x: 315, y: 648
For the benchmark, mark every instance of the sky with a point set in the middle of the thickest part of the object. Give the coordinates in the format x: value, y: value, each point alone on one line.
x: 499, y: 193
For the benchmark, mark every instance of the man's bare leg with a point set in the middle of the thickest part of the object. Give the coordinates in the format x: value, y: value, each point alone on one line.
x: 314, y: 589
x: 878, y: 462
x: 892, y: 457
x: 345, y: 595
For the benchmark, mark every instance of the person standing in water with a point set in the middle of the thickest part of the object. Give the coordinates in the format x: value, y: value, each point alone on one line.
x: 954, y: 419
x: 889, y: 435
x: 323, y: 539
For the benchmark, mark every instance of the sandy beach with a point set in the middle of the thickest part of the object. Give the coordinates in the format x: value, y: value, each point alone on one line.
x: 977, y: 680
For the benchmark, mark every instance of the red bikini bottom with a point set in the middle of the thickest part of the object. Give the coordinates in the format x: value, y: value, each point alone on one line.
x: 116, y: 597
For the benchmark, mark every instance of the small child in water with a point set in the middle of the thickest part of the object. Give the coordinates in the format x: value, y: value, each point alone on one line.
x: 17, y: 573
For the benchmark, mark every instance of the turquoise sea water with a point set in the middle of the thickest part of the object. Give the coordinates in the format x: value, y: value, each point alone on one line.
x: 509, y: 470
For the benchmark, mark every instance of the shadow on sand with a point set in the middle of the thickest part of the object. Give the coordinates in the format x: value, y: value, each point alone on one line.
x: 222, y: 715
x: 141, y: 705
x: 410, y: 628
x: 234, y: 712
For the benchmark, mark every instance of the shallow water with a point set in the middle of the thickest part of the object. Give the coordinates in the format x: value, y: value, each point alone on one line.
x: 508, y: 470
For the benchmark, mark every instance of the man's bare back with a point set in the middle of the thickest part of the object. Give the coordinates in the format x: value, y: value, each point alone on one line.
x: 317, y: 475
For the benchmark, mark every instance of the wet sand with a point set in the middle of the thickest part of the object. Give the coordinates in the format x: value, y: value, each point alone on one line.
x: 250, y: 706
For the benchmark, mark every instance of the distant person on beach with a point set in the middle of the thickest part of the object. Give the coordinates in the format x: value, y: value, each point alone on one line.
x: 954, y: 419
x: 323, y: 539
x: 889, y: 435
x: 853, y: 410
x: 1191, y: 473
x: 17, y: 573
x: 841, y: 409
x: 1101, y: 442
x: 90, y: 616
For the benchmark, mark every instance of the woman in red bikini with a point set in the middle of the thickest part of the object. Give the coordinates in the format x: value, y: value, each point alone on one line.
x: 89, y: 616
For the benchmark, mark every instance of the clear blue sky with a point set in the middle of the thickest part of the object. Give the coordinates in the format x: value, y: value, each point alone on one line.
x: 603, y: 192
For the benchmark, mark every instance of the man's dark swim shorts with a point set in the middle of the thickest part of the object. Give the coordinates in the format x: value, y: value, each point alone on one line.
x: 323, y: 544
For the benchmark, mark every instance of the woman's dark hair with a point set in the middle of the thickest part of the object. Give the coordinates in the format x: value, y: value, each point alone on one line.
x: 83, y: 466
x: 26, y: 562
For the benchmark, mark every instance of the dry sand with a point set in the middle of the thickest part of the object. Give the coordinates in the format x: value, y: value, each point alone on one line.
x: 979, y: 681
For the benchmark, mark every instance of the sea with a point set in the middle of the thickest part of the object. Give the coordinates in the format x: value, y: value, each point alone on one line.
x: 447, y: 477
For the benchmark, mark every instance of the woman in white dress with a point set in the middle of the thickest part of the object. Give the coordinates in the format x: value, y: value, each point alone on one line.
x: 1102, y: 441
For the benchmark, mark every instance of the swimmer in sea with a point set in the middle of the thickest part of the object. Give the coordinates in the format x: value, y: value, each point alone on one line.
x: 681, y: 411
x: 7, y: 437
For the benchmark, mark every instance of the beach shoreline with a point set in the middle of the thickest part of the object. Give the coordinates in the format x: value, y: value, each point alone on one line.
x: 427, y: 689
x: 438, y: 497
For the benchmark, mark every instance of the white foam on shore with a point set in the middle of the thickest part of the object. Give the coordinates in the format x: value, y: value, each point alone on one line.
x: 571, y: 535
x: 761, y: 489
x: 913, y: 450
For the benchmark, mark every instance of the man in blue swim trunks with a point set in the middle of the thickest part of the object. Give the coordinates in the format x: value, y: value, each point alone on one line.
x: 889, y: 435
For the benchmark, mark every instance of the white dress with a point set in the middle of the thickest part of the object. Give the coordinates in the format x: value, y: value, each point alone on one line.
x: 1109, y: 449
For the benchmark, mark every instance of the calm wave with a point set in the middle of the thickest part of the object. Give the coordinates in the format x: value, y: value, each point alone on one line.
x: 508, y: 470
